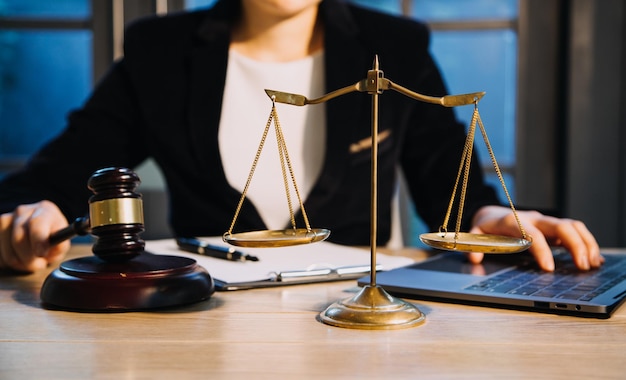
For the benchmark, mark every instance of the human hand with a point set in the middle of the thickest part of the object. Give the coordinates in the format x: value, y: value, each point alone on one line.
x: 24, y: 234
x: 544, y: 230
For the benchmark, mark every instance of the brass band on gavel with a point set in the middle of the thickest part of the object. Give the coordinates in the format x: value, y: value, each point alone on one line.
x: 116, y: 211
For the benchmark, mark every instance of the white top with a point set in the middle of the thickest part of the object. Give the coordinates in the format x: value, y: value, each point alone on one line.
x: 245, y: 111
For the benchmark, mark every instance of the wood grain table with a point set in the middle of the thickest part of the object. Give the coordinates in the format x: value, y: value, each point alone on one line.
x: 274, y: 334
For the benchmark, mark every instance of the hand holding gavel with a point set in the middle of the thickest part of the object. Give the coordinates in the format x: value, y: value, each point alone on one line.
x: 115, y: 217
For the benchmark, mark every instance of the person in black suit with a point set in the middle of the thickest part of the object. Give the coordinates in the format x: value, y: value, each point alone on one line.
x: 189, y: 94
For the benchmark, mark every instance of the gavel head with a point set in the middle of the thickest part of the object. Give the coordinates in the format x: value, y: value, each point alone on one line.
x: 116, y: 214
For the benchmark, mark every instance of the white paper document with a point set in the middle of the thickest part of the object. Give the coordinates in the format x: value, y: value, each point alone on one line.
x: 316, y: 262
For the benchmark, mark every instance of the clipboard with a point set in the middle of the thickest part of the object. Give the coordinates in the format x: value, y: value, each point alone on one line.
x: 282, y: 266
x: 295, y: 277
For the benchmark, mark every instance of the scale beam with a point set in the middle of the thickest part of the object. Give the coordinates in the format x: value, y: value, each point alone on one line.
x: 386, y: 84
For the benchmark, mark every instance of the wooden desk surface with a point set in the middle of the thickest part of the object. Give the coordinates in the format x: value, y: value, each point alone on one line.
x: 273, y: 333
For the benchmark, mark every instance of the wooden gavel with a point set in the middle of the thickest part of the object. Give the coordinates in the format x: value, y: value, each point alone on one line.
x: 110, y: 280
x: 115, y: 216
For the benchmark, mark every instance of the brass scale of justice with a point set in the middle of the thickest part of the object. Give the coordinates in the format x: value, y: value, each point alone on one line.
x: 373, y: 307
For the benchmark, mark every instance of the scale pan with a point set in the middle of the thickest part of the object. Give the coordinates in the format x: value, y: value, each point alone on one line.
x: 276, y: 238
x: 469, y: 242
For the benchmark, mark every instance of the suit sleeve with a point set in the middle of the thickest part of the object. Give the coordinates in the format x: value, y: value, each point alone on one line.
x: 104, y: 132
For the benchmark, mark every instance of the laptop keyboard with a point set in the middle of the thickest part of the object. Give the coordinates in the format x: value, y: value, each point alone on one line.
x: 565, y: 283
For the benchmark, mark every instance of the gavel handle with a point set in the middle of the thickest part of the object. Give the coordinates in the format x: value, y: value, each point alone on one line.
x: 80, y: 226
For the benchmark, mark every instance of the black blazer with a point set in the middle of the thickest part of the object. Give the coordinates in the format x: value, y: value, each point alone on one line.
x: 163, y: 100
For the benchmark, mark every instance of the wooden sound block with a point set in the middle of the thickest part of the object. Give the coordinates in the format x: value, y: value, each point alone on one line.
x: 147, y: 281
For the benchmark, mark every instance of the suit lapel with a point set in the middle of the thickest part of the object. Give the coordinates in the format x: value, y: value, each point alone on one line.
x: 208, y: 62
x: 345, y: 65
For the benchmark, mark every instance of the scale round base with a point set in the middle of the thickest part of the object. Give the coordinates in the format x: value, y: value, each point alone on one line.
x: 469, y: 242
x: 276, y: 238
x: 372, y: 309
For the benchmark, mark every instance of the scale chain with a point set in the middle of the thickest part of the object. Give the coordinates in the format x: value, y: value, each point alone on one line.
x: 251, y: 174
x: 466, y: 158
x: 464, y: 167
x: 285, y: 165
x: 284, y: 157
x: 499, y: 174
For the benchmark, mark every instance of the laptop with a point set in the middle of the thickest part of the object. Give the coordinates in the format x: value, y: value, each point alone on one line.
x: 513, y: 281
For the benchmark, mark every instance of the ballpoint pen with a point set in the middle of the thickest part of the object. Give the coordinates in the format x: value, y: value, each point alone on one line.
x: 206, y: 249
